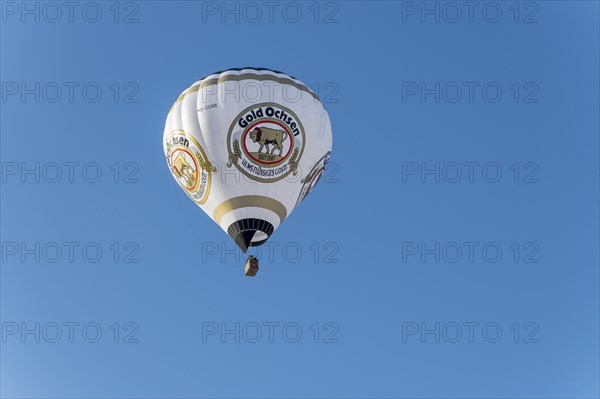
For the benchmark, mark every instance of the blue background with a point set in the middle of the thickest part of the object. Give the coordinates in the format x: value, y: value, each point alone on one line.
x: 363, y: 210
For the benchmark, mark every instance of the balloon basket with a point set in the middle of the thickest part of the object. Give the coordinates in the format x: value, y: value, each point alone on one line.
x: 251, y: 266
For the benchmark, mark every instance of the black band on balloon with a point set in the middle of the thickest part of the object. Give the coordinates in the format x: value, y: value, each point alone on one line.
x: 242, y: 232
x: 251, y: 68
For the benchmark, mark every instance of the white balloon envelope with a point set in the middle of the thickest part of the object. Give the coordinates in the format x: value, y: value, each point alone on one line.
x: 247, y: 145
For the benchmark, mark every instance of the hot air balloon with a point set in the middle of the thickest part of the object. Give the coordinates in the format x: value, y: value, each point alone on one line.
x: 247, y: 146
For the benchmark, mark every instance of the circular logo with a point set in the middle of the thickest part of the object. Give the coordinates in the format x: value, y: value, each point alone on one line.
x: 189, y: 165
x: 266, y: 142
x: 313, y: 177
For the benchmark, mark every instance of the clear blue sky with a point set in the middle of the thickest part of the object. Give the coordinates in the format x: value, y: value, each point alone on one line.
x: 399, y: 244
